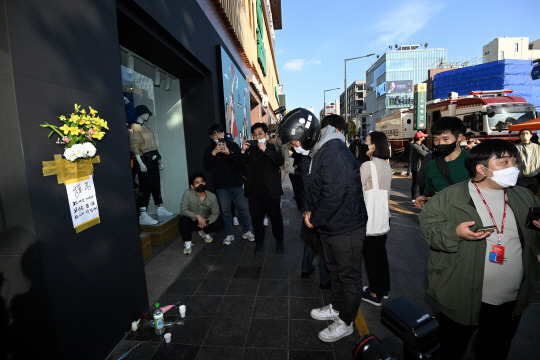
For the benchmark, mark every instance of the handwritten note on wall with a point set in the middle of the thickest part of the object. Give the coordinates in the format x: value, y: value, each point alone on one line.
x: 83, y: 204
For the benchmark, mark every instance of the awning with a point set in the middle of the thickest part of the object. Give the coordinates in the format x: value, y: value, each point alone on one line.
x: 533, y: 124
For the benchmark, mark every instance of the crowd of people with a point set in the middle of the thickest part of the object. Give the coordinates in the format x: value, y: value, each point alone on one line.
x: 482, y: 266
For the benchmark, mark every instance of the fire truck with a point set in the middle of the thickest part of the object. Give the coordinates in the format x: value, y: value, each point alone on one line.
x: 485, y: 113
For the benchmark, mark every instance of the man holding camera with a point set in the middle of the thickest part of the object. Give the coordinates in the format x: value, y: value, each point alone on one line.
x: 219, y: 159
x: 482, y: 267
x: 263, y: 189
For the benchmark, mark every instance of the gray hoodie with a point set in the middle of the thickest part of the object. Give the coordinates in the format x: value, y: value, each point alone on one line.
x: 327, y: 133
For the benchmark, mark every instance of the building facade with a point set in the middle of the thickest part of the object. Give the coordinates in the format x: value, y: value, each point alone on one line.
x: 356, y: 94
x: 511, y: 48
x: 192, y: 63
x: 390, y: 80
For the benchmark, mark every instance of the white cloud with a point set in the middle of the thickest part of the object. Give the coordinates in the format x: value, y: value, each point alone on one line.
x: 298, y: 64
x: 295, y: 65
x: 398, y: 25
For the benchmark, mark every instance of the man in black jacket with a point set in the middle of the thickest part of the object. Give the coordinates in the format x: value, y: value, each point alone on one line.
x: 333, y: 192
x: 219, y: 159
x: 263, y: 185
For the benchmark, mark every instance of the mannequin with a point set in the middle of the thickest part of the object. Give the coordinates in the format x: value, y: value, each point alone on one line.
x: 143, y: 145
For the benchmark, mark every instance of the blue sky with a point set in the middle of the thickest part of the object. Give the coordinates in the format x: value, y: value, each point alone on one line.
x: 318, y: 35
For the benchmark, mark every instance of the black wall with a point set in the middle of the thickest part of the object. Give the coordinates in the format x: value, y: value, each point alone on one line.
x: 76, y: 294
x: 71, y: 295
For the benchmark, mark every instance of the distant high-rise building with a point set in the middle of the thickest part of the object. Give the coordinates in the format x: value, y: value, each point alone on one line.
x: 511, y: 48
x: 390, y: 80
x: 356, y: 94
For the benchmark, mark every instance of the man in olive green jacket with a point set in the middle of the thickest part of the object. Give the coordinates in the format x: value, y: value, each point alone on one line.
x: 200, y: 211
x: 475, y: 285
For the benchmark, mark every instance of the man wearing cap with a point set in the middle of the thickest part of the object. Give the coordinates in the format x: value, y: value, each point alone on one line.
x: 418, y: 152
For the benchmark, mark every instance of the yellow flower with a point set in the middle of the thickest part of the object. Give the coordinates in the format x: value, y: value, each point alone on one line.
x: 74, y: 118
x: 65, y: 129
x: 75, y: 130
x: 63, y: 118
x: 98, y: 135
x: 83, y: 111
x: 77, y: 107
x: 84, y: 120
x: 92, y: 111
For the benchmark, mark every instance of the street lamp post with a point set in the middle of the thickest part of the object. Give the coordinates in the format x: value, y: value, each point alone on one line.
x: 354, y: 58
x: 324, y: 105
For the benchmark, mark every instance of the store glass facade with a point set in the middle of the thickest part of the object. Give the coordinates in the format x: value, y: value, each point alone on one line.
x: 146, y: 84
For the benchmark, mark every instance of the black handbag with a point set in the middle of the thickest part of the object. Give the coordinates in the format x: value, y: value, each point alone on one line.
x: 150, y: 157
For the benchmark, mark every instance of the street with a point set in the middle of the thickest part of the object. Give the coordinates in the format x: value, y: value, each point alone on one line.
x: 242, y: 306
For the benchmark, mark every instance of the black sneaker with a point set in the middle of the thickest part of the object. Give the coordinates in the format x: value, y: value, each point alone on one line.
x: 385, y: 293
x: 366, y: 296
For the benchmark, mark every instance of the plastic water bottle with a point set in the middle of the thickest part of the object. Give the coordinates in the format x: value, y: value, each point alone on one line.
x: 159, y: 325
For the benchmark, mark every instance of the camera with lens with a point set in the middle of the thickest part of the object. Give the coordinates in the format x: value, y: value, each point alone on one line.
x: 418, y: 330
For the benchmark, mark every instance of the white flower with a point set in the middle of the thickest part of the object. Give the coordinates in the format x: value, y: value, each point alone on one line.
x: 79, y: 151
x: 69, y: 154
x: 89, y: 149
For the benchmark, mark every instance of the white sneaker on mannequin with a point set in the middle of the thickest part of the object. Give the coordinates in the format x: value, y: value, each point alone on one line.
x: 162, y: 212
x: 145, y: 219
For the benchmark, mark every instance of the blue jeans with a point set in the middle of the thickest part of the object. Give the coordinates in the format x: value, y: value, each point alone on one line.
x: 307, y: 264
x: 226, y: 196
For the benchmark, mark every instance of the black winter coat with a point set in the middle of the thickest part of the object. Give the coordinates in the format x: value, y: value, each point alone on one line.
x: 262, y: 165
x: 224, y: 173
x: 333, y: 190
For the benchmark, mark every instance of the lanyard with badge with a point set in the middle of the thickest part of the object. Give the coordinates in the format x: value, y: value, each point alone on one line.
x: 497, y: 251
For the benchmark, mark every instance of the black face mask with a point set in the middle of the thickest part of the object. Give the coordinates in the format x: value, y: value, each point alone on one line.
x: 445, y: 149
x: 200, y: 188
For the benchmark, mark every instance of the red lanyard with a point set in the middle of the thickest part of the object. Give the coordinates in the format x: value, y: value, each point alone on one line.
x: 500, y: 233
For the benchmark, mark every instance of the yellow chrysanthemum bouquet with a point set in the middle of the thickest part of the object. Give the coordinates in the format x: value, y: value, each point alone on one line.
x: 79, y: 132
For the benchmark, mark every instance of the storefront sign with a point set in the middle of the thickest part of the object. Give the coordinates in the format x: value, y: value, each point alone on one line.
x: 420, y: 93
x: 82, y: 203
x: 261, y: 51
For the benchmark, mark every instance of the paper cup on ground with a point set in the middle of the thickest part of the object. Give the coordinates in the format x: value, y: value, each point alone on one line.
x: 134, y: 326
x: 183, y: 311
x: 167, y: 337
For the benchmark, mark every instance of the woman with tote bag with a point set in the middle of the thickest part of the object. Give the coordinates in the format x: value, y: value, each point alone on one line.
x: 376, y: 176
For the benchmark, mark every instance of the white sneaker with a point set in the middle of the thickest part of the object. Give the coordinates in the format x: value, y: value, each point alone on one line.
x: 162, y: 212
x: 228, y: 240
x: 249, y: 236
x: 337, y: 330
x: 145, y: 219
x: 187, y: 248
x: 235, y: 221
x: 265, y: 221
x: 324, y: 313
x: 207, y: 238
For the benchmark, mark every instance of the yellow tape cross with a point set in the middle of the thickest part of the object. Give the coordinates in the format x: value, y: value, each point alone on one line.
x: 66, y: 170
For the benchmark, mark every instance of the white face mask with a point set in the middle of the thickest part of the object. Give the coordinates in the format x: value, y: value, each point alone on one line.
x: 216, y: 140
x: 300, y: 150
x: 262, y: 141
x: 505, y: 177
